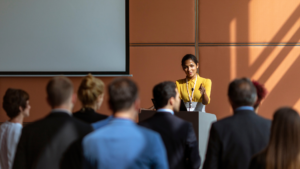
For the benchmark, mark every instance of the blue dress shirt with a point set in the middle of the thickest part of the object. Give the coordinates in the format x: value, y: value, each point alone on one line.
x: 102, y: 123
x: 122, y: 144
x: 244, y: 108
x: 166, y: 110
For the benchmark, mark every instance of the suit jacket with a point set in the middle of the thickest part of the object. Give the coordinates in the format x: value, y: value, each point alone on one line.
x: 179, y: 139
x: 43, y: 143
x: 122, y: 144
x: 89, y: 115
x: 235, y: 139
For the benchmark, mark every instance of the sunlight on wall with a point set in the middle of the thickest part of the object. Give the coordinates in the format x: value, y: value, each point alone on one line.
x: 281, y: 70
x: 264, y: 66
x: 232, y: 28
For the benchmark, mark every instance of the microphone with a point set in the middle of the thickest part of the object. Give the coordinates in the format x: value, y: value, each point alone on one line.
x: 192, y: 89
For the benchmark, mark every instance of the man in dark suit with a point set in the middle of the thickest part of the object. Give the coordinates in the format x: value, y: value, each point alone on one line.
x: 43, y: 143
x: 178, y: 135
x: 235, y: 139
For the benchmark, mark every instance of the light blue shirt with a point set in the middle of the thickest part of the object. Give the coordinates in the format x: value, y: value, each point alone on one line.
x: 102, y: 123
x: 166, y: 110
x: 244, y: 108
x: 122, y: 144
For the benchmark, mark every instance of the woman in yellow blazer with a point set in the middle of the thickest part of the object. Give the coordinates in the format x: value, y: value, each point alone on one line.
x: 194, y: 90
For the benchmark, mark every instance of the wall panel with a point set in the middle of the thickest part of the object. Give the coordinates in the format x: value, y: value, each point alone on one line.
x: 157, y: 21
x: 245, y: 21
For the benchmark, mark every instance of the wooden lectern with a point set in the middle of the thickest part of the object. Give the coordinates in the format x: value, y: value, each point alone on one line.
x: 201, y: 123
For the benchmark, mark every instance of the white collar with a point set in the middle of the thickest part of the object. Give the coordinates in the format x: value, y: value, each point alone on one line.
x: 166, y: 110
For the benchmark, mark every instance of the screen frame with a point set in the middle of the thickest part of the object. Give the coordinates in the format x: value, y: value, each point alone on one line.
x: 82, y: 73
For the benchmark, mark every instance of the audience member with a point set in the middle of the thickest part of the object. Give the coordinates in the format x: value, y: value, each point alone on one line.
x: 261, y: 94
x: 122, y: 143
x: 90, y: 94
x: 283, y: 151
x: 178, y: 135
x: 16, y: 106
x: 235, y: 139
x: 43, y: 142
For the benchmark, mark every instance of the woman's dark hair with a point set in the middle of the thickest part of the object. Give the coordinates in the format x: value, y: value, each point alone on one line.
x: 284, y: 146
x: 187, y: 57
x: 162, y: 92
x: 12, y: 100
x: 261, y: 93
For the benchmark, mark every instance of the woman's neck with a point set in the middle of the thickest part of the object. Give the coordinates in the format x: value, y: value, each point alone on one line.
x: 18, y: 119
x: 193, y: 77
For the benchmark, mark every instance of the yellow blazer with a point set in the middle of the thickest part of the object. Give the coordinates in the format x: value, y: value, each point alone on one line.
x: 181, y: 87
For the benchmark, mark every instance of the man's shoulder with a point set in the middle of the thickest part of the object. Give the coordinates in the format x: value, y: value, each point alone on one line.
x: 162, y: 118
x: 147, y: 131
x: 232, y: 121
x: 101, y: 123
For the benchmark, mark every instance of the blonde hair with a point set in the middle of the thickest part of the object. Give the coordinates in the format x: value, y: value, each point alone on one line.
x: 89, y: 90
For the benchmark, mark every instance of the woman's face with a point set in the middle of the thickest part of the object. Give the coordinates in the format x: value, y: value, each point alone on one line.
x: 26, y: 111
x: 190, y: 68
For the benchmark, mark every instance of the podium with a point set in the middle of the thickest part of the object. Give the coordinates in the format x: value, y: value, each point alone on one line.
x: 201, y: 123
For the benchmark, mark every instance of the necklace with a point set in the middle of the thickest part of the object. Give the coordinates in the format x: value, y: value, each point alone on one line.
x: 193, y: 89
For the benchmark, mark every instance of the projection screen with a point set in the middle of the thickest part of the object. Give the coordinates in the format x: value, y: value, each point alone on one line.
x: 42, y: 37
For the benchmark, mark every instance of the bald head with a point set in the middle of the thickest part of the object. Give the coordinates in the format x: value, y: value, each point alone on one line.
x: 242, y: 92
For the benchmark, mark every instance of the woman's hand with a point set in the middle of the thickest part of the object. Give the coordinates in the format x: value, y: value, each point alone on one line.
x: 202, y: 89
x: 203, y: 95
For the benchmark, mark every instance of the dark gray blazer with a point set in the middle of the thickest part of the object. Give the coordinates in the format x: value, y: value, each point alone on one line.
x: 234, y: 140
x: 179, y: 139
x: 44, y: 142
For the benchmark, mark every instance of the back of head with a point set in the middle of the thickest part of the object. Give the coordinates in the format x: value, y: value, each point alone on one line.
x: 89, y: 90
x: 122, y: 94
x: 13, y: 100
x: 242, y: 92
x: 283, y: 151
x: 59, y: 91
x: 162, y: 92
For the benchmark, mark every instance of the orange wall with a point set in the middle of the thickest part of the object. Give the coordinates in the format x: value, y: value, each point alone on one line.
x: 239, y: 33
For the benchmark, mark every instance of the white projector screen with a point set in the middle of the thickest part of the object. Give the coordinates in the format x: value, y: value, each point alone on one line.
x: 64, y: 37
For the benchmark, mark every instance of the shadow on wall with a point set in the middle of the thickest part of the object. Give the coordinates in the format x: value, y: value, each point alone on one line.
x: 253, y: 43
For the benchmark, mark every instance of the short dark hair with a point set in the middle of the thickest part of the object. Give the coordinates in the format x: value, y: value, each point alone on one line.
x: 59, y: 90
x: 187, y: 57
x: 242, y: 92
x: 162, y: 92
x: 123, y: 93
x: 12, y: 100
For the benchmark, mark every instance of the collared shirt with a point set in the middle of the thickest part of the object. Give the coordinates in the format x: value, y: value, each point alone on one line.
x: 61, y: 111
x: 9, y: 137
x: 130, y: 145
x: 244, y: 108
x: 166, y: 110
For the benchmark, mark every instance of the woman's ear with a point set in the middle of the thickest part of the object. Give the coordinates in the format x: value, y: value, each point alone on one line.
x: 21, y: 109
x: 197, y: 65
